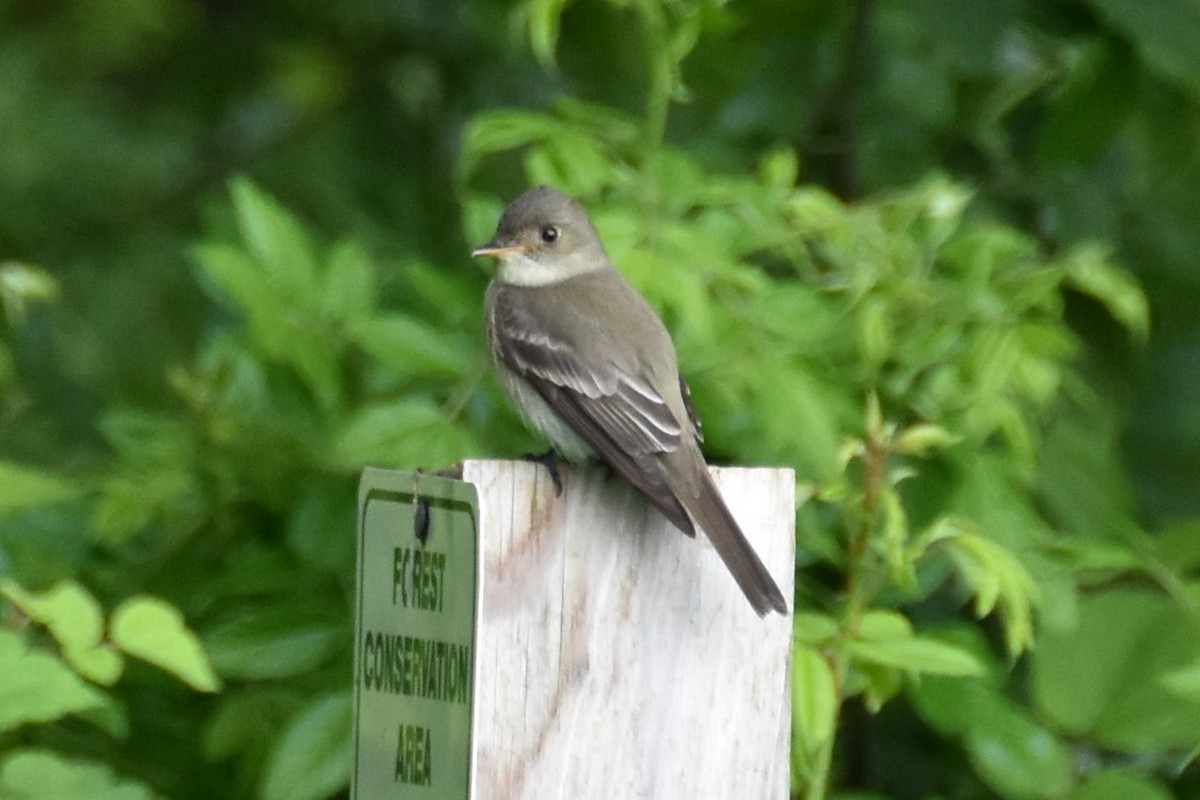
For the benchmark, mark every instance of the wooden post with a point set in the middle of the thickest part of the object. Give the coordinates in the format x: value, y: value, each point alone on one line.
x: 616, y: 658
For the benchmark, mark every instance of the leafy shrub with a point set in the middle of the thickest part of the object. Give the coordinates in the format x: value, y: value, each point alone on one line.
x: 980, y: 610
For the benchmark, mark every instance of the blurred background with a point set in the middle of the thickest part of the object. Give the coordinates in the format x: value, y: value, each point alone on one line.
x: 943, y: 254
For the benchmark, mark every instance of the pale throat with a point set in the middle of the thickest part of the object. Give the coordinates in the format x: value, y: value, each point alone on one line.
x: 519, y: 269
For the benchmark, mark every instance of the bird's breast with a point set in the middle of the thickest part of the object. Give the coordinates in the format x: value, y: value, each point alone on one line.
x: 539, y: 416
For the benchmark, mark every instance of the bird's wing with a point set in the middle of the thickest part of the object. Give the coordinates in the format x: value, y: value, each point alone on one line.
x: 686, y: 392
x: 601, y: 394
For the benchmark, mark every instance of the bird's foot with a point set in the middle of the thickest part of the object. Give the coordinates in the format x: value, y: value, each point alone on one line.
x: 549, y: 460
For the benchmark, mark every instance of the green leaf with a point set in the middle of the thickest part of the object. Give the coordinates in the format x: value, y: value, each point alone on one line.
x: 322, y: 510
x: 414, y: 348
x: 405, y: 433
x: 8, y: 367
x: 1017, y: 757
x: 276, y: 641
x: 154, y: 631
x: 350, y: 285
x: 479, y: 215
x: 1098, y: 97
x: 43, y: 775
x: 112, y: 718
x: 1083, y: 489
x: 1090, y: 271
x: 21, y: 285
x: 36, y: 687
x: 874, y: 416
x: 814, y: 698
x: 576, y: 162
x: 995, y: 575
x: 256, y: 569
x: 26, y: 282
x: 918, y: 654
x: 451, y: 296
x: 277, y: 241
x: 496, y: 131
x: 314, y: 357
x: 1184, y: 682
x: 247, y: 721
x: 815, y: 211
x: 875, y: 333
x: 154, y: 479
x: 1166, y: 34
x: 604, y: 121
x: 76, y: 621
x: 276, y: 285
x: 943, y: 204
x: 685, y: 31
x: 543, y: 20
x: 311, y: 760
x: 779, y: 169
x: 813, y: 628
x: 1118, y: 784
x: 1115, y: 675
x: 954, y: 705
x: 132, y: 499
x: 882, y: 625
x: 236, y: 276
x: 100, y: 664
x: 895, y: 536
x: 919, y: 440
x: 877, y: 684
x: 1179, y: 544
x: 886, y: 638
x: 25, y: 487
x: 147, y: 437
x: 71, y: 613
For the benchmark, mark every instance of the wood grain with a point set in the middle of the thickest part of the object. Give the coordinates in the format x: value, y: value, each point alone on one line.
x: 616, y: 657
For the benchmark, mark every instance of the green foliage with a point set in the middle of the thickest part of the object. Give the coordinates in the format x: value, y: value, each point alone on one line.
x: 310, y: 758
x: 952, y: 323
x: 28, y: 488
x: 896, y: 245
x: 41, y: 775
x: 154, y: 631
x: 1134, y: 639
x: 39, y: 687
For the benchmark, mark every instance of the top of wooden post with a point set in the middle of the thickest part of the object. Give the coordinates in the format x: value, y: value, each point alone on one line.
x: 616, y: 657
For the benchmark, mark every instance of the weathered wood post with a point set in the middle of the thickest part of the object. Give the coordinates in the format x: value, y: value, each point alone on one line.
x: 611, y: 656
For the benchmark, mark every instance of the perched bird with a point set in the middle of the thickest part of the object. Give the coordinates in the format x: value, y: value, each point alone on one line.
x: 590, y: 366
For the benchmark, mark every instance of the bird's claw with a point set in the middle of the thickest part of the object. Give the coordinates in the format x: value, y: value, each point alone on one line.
x: 549, y: 460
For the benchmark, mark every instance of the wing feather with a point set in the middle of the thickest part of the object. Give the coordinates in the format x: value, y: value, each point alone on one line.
x: 626, y: 405
x: 612, y: 405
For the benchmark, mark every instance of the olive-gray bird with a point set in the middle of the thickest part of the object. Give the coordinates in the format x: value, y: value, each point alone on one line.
x: 590, y: 366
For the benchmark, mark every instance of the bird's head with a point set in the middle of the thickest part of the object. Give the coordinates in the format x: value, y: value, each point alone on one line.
x: 544, y: 237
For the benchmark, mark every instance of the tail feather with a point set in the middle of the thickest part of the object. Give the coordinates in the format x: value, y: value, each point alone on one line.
x: 710, y: 513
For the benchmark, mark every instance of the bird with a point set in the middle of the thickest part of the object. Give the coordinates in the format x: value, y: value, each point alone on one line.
x: 590, y: 365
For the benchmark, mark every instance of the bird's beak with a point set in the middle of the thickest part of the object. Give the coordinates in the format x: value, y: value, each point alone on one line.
x: 493, y: 250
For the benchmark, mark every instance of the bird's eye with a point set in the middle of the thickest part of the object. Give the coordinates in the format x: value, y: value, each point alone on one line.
x: 549, y: 234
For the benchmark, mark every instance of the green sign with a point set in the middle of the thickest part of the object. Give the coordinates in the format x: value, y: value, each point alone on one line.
x: 414, y: 650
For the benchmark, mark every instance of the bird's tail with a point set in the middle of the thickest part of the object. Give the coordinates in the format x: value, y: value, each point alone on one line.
x: 710, y: 513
